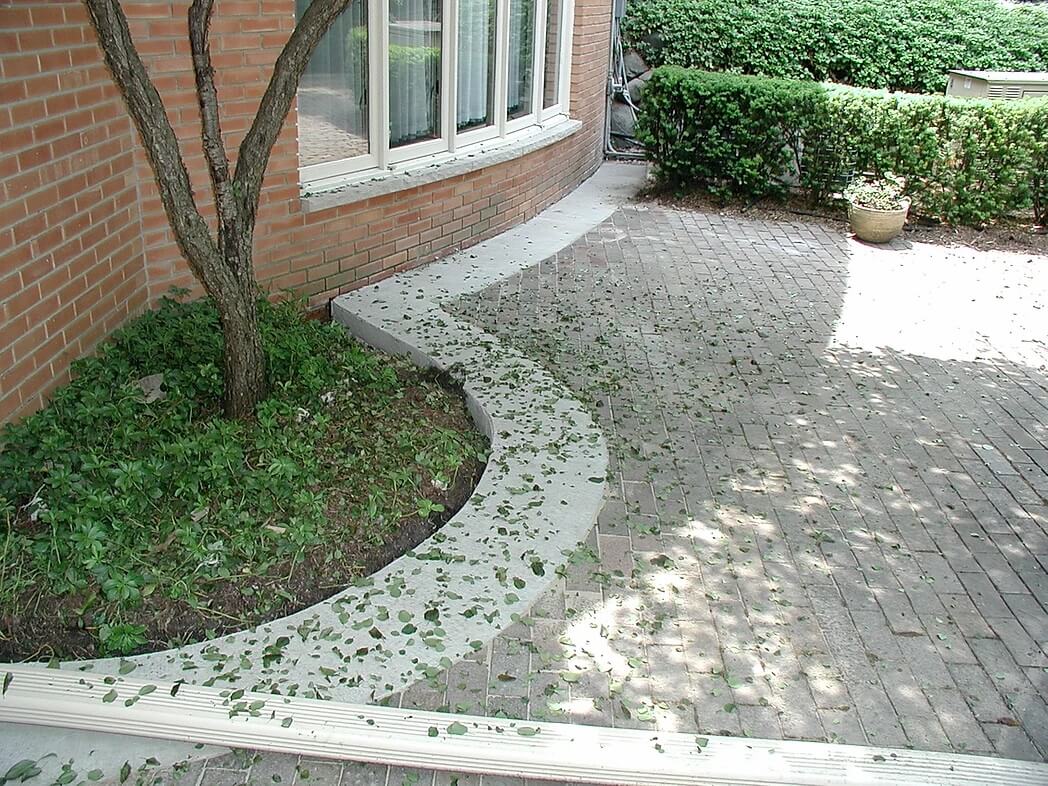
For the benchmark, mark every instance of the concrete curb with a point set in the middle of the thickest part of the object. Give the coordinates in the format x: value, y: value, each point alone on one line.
x: 538, y: 498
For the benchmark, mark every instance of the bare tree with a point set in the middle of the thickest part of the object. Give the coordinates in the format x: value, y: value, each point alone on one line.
x: 221, y: 261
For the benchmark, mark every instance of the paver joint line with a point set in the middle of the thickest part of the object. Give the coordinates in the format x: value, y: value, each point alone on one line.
x: 828, y: 517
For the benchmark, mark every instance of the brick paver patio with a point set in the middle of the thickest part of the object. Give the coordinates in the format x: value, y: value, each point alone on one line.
x: 827, y: 515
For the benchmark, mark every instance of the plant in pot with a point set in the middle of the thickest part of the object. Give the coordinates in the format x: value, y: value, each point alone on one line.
x: 877, y: 208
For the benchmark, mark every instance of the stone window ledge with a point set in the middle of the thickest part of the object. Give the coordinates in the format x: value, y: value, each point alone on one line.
x: 398, y: 177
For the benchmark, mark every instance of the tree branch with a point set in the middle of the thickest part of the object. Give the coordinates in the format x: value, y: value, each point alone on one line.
x: 210, y: 127
x: 161, y: 145
x: 253, y: 157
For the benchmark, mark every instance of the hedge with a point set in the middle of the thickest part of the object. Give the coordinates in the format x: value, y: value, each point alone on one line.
x: 965, y: 161
x: 899, y: 45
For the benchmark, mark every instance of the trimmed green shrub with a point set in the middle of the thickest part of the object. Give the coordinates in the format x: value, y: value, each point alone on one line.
x: 900, y: 45
x: 1033, y: 118
x: 736, y: 136
x: 965, y: 161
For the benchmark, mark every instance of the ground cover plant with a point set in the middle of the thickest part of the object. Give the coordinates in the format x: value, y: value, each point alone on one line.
x: 135, y: 516
x: 900, y: 45
x: 965, y: 161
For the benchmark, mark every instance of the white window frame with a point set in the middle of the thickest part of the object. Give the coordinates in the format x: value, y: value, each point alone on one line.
x: 427, y: 147
x: 537, y: 56
x: 496, y: 128
x: 382, y: 158
x: 376, y: 86
x: 567, y: 21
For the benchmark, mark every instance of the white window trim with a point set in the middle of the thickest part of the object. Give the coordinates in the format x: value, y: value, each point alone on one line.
x: 376, y: 87
x: 531, y: 118
x: 497, y: 128
x: 567, y: 21
x: 442, y: 143
x: 451, y: 144
x: 348, y: 189
x: 380, y: 117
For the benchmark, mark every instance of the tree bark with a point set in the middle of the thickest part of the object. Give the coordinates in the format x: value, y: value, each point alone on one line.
x: 244, y: 361
x: 253, y: 157
x: 221, y: 262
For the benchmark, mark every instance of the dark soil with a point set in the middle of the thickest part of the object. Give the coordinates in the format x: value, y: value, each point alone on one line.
x: 1015, y: 236
x: 50, y: 626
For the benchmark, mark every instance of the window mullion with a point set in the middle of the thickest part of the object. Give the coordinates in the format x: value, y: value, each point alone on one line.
x: 567, y: 22
x: 379, y: 60
x: 539, y: 58
x: 449, y: 66
x: 502, y: 63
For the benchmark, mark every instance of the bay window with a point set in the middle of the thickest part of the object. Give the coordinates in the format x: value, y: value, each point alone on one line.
x: 398, y: 81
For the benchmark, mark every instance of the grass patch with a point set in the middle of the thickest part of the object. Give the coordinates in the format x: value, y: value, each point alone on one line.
x: 131, y: 522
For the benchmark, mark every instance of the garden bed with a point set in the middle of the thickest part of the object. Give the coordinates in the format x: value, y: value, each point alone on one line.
x: 136, y: 518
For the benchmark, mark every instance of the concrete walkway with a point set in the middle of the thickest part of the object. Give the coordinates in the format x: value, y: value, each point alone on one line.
x: 828, y: 508
x: 828, y: 517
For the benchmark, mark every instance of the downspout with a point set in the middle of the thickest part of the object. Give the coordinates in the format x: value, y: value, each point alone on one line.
x: 617, y: 84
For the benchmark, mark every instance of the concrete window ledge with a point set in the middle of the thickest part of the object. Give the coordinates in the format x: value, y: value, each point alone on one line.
x: 356, y: 188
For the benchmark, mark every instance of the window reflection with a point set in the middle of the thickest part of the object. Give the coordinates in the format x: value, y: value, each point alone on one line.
x: 414, y: 70
x: 333, y: 96
x: 521, y: 57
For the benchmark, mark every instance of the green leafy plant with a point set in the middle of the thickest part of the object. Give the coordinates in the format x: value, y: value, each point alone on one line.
x: 877, y: 193
x: 121, y: 639
x: 114, y: 498
x: 426, y: 508
x: 964, y: 161
x: 1032, y: 119
x: 900, y: 45
x: 735, y: 136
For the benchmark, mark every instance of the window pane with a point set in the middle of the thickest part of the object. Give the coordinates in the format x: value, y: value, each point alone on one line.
x: 476, y: 64
x: 521, y: 60
x: 414, y: 70
x: 333, y: 95
x: 551, y: 81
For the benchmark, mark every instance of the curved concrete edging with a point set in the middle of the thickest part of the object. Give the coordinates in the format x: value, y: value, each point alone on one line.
x: 538, y: 498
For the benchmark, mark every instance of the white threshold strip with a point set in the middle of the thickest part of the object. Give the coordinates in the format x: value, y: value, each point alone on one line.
x: 470, y: 744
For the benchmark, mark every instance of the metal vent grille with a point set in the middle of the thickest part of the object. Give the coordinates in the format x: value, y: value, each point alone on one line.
x: 1005, y: 92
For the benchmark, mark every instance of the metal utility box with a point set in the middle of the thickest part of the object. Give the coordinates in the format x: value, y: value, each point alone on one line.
x: 1005, y: 85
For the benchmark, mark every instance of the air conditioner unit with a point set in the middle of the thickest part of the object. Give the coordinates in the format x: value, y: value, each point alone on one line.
x: 1003, y: 85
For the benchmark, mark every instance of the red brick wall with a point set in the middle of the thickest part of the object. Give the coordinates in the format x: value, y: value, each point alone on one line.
x: 82, y: 223
x: 71, y: 263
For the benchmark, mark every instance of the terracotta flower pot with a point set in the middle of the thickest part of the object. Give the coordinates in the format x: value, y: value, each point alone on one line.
x: 877, y: 226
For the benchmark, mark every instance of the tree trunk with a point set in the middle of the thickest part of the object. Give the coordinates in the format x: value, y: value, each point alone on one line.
x: 223, y: 263
x: 245, y: 362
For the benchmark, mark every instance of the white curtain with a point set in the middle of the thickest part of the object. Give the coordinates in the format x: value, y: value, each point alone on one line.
x: 414, y: 70
x: 476, y: 63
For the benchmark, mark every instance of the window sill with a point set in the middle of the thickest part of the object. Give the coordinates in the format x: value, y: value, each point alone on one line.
x: 366, y: 185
